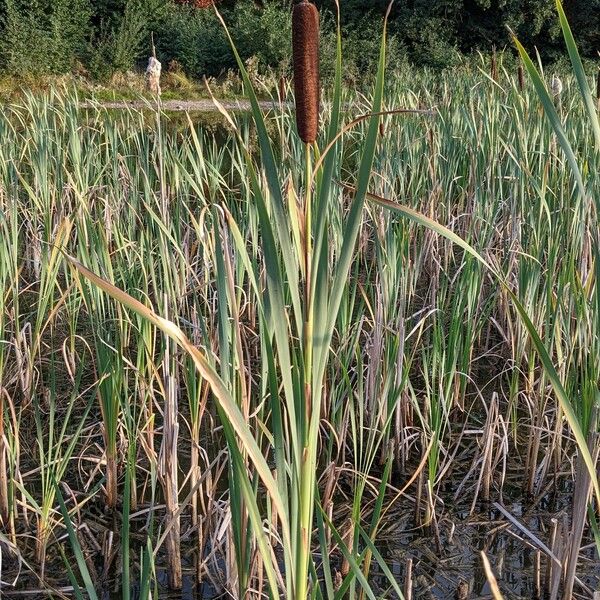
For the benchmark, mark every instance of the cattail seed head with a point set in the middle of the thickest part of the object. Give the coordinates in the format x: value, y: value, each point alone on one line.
x: 281, y: 91
x: 305, y: 43
x: 494, y: 66
x: 521, y: 77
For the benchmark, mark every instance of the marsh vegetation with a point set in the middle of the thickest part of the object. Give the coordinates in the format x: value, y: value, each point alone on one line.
x: 356, y: 368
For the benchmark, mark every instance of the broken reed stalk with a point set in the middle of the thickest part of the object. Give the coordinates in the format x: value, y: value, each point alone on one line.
x: 491, y: 578
x: 4, y: 504
x: 537, y: 577
x: 550, y: 566
x: 169, y: 469
x: 408, y: 583
x: 305, y: 47
x: 581, y: 498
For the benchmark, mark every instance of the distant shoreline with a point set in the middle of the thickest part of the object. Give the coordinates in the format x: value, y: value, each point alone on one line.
x: 205, y: 105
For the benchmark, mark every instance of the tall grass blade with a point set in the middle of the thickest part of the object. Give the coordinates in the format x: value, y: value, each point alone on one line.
x: 579, y: 71
x: 76, y: 547
x: 552, y: 115
x: 273, y: 182
x: 341, y: 270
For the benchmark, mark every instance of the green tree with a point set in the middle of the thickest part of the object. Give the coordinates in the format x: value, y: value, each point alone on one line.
x: 43, y: 36
x: 122, y: 33
x: 584, y: 17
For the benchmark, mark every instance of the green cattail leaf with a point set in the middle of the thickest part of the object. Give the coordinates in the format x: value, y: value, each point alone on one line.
x: 353, y: 222
x: 355, y: 570
x: 320, y: 268
x: 222, y: 395
x: 552, y: 115
x: 380, y: 561
x: 547, y: 364
x: 579, y: 71
x: 273, y: 183
x: 76, y: 547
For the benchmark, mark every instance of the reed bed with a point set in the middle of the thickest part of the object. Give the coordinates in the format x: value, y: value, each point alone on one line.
x: 335, y: 360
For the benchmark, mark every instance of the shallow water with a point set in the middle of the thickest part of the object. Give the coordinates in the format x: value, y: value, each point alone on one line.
x: 445, y: 558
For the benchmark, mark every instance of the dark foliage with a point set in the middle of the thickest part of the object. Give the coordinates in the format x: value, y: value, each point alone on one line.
x: 104, y: 36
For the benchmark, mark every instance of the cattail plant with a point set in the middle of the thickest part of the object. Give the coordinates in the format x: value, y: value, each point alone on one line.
x: 305, y: 42
x: 297, y: 383
x: 494, y: 67
x: 521, y: 78
x: 305, y: 50
x: 282, y: 89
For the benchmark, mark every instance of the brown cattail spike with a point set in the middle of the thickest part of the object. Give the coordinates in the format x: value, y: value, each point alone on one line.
x: 494, y: 67
x: 305, y: 42
x: 282, y: 93
x: 521, y: 78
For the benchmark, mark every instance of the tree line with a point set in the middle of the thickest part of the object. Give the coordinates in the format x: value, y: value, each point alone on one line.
x: 101, y: 37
